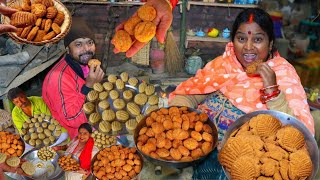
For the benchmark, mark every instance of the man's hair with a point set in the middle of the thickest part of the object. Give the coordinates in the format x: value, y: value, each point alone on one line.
x: 14, y: 93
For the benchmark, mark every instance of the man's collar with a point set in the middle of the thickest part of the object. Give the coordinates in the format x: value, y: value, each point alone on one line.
x: 74, y: 65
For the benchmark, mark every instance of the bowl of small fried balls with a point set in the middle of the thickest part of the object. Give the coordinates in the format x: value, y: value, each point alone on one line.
x: 269, y: 144
x: 117, y: 162
x: 176, y: 136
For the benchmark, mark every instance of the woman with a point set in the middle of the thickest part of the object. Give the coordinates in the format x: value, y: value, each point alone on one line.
x: 225, y: 91
x: 82, y: 147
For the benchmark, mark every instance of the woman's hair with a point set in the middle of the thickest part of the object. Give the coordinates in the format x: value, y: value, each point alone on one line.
x: 14, y: 93
x: 86, y: 126
x: 257, y: 15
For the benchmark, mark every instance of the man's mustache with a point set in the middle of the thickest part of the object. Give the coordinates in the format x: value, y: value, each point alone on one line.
x: 86, y: 53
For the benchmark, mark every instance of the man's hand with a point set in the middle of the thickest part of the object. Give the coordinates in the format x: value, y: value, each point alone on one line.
x: 163, y: 22
x: 95, y: 75
x: 4, y: 28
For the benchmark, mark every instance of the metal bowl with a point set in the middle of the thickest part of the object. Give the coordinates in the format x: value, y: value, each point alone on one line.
x: 285, y: 120
x: 174, y: 164
x: 92, y: 176
x: 32, y: 156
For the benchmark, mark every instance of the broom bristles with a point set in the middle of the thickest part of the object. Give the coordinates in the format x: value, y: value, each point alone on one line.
x: 173, y: 59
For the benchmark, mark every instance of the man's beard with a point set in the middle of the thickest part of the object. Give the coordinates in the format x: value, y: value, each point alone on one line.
x: 85, y: 57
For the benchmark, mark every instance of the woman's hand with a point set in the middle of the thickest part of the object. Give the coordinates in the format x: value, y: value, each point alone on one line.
x: 83, y: 171
x: 268, y: 76
x: 163, y: 22
x: 4, y: 28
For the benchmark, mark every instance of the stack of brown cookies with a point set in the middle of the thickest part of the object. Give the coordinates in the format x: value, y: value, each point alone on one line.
x: 263, y: 148
x: 139, y: 27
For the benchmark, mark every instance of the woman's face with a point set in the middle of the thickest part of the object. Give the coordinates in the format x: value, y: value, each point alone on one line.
x: 83, y: 135
x: 251, y: 43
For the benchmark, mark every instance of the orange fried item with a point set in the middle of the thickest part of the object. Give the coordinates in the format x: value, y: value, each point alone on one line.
x: 184, y: 151
x: 59, y: 19
x: 92, y: 62
x: 22, y: 19
x: 25, y: 32
x: 157, y: 127
x: 47, y: 25
x: 49, y: 36
x: 190, y: 143
x: 198, y: 126
x: 56, y: 28
x: 47, y: 3
x: 122, y: 41
x: 252, y: 68
x: 206, y: 147
x: 32, y: 33
x: 145, y: 31
x: 147, y: 13
x: 51, y: 12
x: 196, y: 135
x: 163, y: 152
x: 196, y: 153
x: 131, y: 24
x: 39, y: 10
x: 175, y: 154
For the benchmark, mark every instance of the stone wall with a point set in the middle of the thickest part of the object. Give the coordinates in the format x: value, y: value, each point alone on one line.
x: 103, y: 18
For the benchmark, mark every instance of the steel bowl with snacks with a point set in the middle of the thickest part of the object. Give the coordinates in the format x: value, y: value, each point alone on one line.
x: 128, y: 164
x: 285, y: 119
x: 44, y: 169
x: 183, y: 162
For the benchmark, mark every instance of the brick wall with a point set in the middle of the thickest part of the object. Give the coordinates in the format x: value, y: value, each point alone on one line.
x: 103, y: 18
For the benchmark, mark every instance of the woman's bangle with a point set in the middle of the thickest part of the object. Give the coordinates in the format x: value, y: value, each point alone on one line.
x: 262, y: 91
x: 267, y: 97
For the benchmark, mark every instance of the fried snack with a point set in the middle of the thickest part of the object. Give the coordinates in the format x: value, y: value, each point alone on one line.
x: 102, y: 140
x: 13, y: 161
x: 119, y: 84
x: 47, y: 3
x: 180, y: 134
x: 152, y: 108
x: 139, y: 117
x: 300, y: 165
x: 131, y: 23
x: 147, y: 13
x: 122, y: 40
x: 133, y: 81
x: 149, y: 90
x: 140, y: 99
x: 252, y: 68
x: 114, y: 94
x: 25, y: 32
x: 284, y: 169
x: 49, y: 36
x: 196, y: 153
x: 46, y: 153
x: 244, y: 167
x: 67, y: 163
x: 47, y: 25
x: 196, y: 135
x: 88, y: 107
x: 290, y: 138
x: 157, y: 127
x: 122, y: 115
x: 133, y: 108
x: 39, y: 10
x: 26, y: 5
x: 117, y: 162
x: 92, y: 62
x: 105, y: 126
x: 144, y: 31
x: 234, y: 147
x: 127, y: 95
x: 190, y: 143
x: 265, y: 125
x: 94, y: 118
x: 56, y: 28
x: 28, y: 168
x: 119, y: 104
x: 108, y: 115
x: 51, y: 12
x: 22, y: 19
x: 103, y: 95
x: 43, y: 23
x: 3, y: 157
x: 112, y: 78
x: 175, y: 154
x: 59, y: 18
x: 131, y: 124
x: 116, y: 126
x: 32, y: 33
x: 107, y: 86
x: 92, y: 95
x: 38, y: 22
x: 269, y: 166
x: 206, y: 147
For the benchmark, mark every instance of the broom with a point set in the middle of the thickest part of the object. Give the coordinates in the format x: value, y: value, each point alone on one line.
x: 173, y: 60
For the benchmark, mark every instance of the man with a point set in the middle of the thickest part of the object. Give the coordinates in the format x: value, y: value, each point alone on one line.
x: 69, y: 81
x: 25, y: 107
